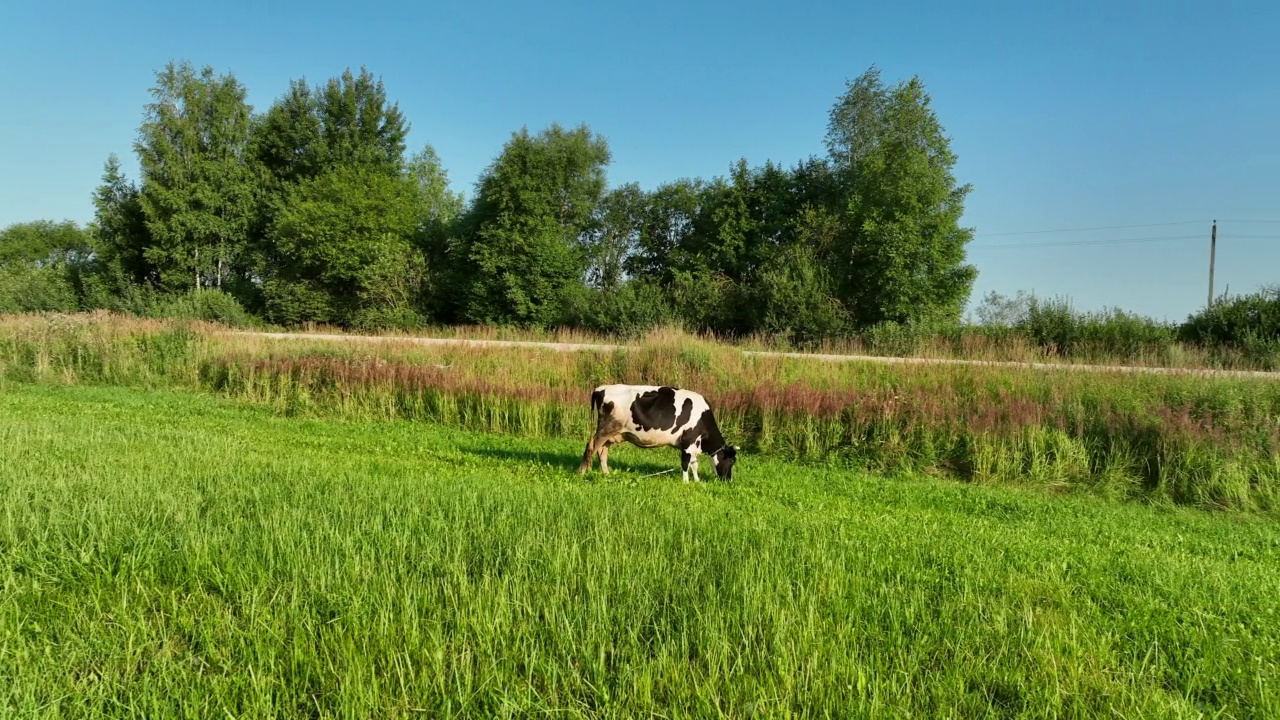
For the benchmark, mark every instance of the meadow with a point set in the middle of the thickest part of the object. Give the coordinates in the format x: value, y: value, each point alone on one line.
x: 1207, y: 441
x: 174, y: 554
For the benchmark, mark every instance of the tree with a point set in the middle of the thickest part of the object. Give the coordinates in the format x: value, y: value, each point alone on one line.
x: 438, y: 210
x: 998, y: 310
x: 344, y: 251
x: 42, y: 265
x: 667, y: 226
x: 439, y: 204
x: 120, y: 230
x: 523, y: 240
x: 358, y: 126
x: 43, y: 243
x: 791, y: 297
x: 614, y: 235
x: 343, y: 124
x: 288, y: 140
x: 900, y: 252
x: 198, y: 189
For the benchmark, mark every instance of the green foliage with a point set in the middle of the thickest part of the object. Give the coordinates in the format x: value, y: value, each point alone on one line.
x: 198, y: 186
x: 1249, y: 323
x: 344, y: 250
x: 614, y: 235
x: 345, y: 122
x: 1000, y: 311
x: 439, y: 210
x: 1055, y: 325
x: 120, y: 238
x: 667, y: 224
x: 703, y: 300
x: 43, y: 243
x: 209, y: 305
x: 311, y: 211
x: 523, y: 245
x: 792, y: 298
x: 42, y: 266
x: 195, y: 558
x: 628, y: 310
x: 900, y: 251
x: 28, y: 288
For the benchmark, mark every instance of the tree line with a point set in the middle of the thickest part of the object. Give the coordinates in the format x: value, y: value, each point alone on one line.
x: 315, y: 210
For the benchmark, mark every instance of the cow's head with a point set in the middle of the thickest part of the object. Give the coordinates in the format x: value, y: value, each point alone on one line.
x: 723, y: 459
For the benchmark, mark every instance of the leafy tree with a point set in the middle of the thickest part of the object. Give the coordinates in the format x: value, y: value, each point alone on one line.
x: 120, y: 232
x: 438, y: 211
x: 439, y: 205
x: 746, y: 219
x: 288, y: 140
x: 614, y: 236
x: 791, y: 297
x: 523, y: 240
x: 900, y: 254
x: 344, y: 124
x: 627, y: 310
x: 667, y: 226
x: 346, y: 121
x: 358, y: 126
x: 42, y: 265
x: 43, y: 243
x: 999, y: 310
x: 344, y: 251
x: 198, y: 188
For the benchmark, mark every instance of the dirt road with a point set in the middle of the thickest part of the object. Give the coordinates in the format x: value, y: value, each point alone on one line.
x: 579, y: 347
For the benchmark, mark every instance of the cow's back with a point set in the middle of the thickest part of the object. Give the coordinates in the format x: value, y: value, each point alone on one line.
x: 650, y: 415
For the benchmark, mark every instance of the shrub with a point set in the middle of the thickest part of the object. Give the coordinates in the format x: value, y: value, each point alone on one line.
x: 629, y: 311
x: 1248, y: 323
x: 209, y: 305
x: 29, y: 288
x: 792, y: 298
x: 1113, y: 333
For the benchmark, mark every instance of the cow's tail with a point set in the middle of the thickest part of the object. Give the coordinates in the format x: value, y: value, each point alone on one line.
x: 597, y: 400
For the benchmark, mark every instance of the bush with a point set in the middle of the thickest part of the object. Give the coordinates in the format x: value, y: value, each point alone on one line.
x: 702, y: 300
x: 208, y: 305
x: 792, y: 299
x: 30, y: 288
x: 1056, y: 326
x: 1249, y: 324
x: 372, y: 318
x: 629, y: 311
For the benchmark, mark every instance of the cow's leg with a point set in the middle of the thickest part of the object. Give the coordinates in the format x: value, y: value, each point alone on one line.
x: 588, y: 455
x: 685, y: 458
x: 694, y: 463
x: 604, y: 456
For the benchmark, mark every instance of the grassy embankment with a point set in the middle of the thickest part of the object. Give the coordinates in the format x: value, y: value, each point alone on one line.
x: 1206, y: 441
x: 165, y: 554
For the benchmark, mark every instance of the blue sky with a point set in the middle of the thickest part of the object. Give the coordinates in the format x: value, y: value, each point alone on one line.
x: 1084, y: 115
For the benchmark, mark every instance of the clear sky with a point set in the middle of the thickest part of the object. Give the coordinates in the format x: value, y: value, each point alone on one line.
x: 1088, y: 114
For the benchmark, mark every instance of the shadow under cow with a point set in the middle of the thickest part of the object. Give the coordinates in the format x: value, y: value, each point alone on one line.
x: 620, y: 463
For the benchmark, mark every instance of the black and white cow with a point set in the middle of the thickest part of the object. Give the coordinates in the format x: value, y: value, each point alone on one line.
x: 651, y: 416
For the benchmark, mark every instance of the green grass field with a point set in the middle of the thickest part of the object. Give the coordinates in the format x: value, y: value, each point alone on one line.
x: 165, y: 554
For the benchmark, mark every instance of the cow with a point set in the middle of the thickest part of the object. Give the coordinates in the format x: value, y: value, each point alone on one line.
x: 650, y: 416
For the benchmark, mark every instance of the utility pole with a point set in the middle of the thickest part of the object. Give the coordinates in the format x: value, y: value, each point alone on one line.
x: 1213, y: 247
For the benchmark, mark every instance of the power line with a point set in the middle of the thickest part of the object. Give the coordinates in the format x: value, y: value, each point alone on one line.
x: 1105, y: 227
x: 1091, y: 242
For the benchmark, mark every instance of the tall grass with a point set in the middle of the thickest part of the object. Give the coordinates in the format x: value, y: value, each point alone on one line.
x: 1208, y: 442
